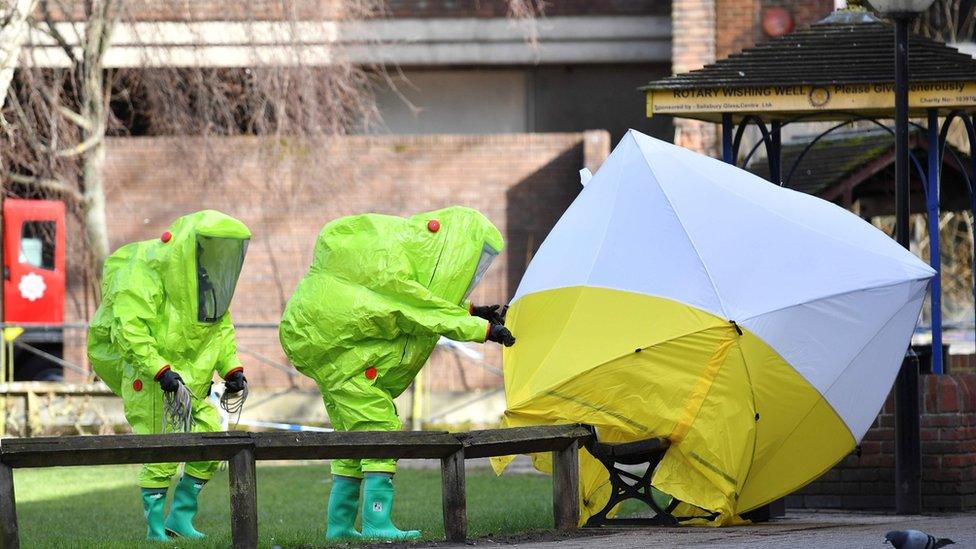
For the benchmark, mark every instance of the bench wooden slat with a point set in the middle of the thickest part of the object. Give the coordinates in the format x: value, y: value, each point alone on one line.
x: 121, y: 449
x: 363, y: 444
x: 521, y: 440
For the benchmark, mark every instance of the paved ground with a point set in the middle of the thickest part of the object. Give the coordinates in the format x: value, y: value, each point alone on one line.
x: 799, y: 529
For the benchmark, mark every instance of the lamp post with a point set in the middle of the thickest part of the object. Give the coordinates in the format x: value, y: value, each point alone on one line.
x: 908, y: 448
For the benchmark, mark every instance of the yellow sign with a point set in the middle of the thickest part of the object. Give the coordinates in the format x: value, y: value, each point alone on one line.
x: 839, y: 97
x: 12, y: 333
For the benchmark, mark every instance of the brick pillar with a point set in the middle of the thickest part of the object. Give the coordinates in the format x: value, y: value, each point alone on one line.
x: 692, y: 47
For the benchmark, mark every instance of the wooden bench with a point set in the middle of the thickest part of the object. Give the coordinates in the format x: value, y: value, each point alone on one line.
x: 242, y: 449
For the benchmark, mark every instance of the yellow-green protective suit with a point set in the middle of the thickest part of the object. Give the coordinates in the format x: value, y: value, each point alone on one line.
x: 164, y: 303
x: 379, y: 294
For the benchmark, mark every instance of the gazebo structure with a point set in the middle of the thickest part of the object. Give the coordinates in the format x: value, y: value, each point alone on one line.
x: 839, y: 71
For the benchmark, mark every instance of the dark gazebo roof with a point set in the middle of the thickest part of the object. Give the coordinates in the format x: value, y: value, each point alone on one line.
x: 847, y: 47
x: 859, y: 165
x: 828, y: 162
x: 843, y: 63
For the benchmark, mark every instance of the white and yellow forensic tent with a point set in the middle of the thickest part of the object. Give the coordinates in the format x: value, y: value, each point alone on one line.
x: 757, y: 328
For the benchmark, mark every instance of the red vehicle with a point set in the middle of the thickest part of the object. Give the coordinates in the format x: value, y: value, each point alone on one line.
x: 34, y: 283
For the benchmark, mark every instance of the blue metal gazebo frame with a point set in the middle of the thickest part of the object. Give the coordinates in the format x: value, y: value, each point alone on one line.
x: 930, y: 173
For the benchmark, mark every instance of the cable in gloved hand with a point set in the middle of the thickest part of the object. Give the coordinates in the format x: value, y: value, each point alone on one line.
x: 177, y: 402
x: 235, y: 394
x: 501, y: 334
x: 490, y: 313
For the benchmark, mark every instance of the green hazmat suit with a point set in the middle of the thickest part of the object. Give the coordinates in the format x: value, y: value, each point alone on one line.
x: 164, y: 305
x: 380, y: 292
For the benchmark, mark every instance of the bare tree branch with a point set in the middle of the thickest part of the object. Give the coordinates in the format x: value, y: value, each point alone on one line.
x: 95, y: 140
x: 53, y: 142
x: 55, y: 186
x: 52, y: 31
x: 78, y: 119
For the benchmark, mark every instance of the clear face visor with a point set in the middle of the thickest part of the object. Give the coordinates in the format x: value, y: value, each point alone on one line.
x: 219, y: 262
x: 488, y: 254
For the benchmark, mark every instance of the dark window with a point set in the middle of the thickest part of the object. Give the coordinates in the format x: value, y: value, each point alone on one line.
x: 37, y: 244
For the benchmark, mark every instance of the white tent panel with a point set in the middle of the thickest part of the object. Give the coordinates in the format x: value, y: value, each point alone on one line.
x: 821, y: 338
x: 641, y: 248
x: 767, y: 247
x: 792, y: 206
x: 861, y: 389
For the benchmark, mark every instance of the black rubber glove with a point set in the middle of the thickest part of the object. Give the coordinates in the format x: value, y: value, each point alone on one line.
x: 489, y: 313
x: 235, y: 382
x: 500, y: 334
x: 169, y: 381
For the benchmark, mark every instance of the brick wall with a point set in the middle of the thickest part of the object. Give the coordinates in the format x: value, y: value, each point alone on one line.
x: 948, y: 455
x: 807, y: 12
x: 737, y: 26
x: 287, y: 192
x: 707, y: 30
x: 961, y: 364
x: 739, y: 22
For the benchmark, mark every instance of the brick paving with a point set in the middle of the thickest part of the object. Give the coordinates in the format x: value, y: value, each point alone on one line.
x: 799, y: 529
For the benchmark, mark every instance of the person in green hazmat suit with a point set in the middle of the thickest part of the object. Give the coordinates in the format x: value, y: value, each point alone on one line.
x: 380, y: 292
x: 157, y: 338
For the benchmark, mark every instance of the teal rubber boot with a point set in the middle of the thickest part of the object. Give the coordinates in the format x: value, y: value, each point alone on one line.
x: 378, y: 509
x: 184, y: 508
x: 343, y: 505
x: 153, y: 502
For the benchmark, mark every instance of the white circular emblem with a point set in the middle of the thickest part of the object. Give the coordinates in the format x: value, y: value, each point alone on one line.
x: 32, y: 286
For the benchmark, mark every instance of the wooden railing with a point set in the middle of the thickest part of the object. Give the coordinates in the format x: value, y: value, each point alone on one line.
x: 31, y: 390
x: 242, y: 449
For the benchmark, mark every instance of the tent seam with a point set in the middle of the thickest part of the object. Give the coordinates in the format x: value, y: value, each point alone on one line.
x: 828, y: 296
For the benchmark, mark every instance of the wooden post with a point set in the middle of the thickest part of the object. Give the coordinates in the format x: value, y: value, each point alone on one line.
x: 9, y: 536
x: 243, y: 500
x: 565, y: 487
x: 27, y: 414
x: 452, y: 492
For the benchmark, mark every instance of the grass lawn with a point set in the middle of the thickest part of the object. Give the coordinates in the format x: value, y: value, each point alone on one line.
x: 100, y: 506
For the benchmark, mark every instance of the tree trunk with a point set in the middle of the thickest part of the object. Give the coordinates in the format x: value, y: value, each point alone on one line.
x: 94, y: 101
x: 13, y: 32
x: 96, y: 229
